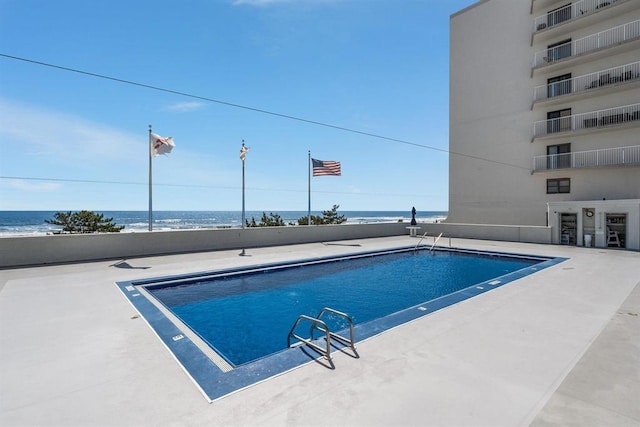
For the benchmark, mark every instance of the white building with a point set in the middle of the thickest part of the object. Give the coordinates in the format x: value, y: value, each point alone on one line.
x: 545, y: 118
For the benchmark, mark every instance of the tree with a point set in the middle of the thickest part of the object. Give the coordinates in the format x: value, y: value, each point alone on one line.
x: 273, y: 220
x: 84, y: 222
x: 328, y: 217
x: 332, y: 217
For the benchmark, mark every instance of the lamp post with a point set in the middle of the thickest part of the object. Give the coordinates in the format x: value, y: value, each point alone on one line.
x: 243, y: 155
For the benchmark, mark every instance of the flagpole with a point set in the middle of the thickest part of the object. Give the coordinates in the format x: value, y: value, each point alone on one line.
x: 243, y: 155
x: 309, y: 186
x: 243, y: 211
x: 150, y: 182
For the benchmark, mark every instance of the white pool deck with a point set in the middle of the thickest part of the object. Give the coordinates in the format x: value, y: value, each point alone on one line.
x: 559, y: 347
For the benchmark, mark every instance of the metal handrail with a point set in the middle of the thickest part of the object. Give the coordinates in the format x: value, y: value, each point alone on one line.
x: 420, y: 241
x: 606, y: 38
x: 350, y: 341
x: 589, y: 120
x: 435, y: 241
x: 618, y: 156
x: 315, y: 324
x: 586, y: 82
x: 569, y: 12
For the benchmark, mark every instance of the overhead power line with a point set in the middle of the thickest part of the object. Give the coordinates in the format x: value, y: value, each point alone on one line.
x: 95, y: 181
x: 257, y: 110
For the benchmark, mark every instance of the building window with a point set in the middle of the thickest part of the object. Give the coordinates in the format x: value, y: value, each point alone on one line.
x: 558, y: 51
x: 559, y: 121
x: 559, y: 156
x: 560, y: 85
x: 559, y: 185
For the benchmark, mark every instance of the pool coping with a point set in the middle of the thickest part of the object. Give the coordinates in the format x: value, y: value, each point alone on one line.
x: 215, y: 382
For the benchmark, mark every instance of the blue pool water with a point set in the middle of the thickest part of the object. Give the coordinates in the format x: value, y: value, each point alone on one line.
x: 246, y: 316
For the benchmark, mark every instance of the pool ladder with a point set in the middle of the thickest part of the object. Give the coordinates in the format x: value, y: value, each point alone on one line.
x: 420, y: 241
x: 435, y: 240
x: 317, y: 324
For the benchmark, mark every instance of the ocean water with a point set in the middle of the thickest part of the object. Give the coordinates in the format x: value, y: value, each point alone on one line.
x: 14, y: 223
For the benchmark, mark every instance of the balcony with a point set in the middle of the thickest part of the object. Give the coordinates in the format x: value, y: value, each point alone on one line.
x: 592, y: 43
x: 588, y: 82
x: 608, y: 157
x: 539, y: 4
x: 612, y: 117
x: 569, y: 12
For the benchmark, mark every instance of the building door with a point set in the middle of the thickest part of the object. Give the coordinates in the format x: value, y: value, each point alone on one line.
x: 559, y: 121
x: 559, y: 15
x: 559, y: 50
x: 559, y: 156
x: 616, y: 233
x: 568, y: 228
x: 560, y: 85
x: 588, y: 226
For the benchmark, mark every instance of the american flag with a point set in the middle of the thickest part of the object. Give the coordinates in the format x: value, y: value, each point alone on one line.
x: 325, y: 167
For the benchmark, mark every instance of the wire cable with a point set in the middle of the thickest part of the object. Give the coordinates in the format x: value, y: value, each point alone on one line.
x: 257, y: 110
x: 219, y: 187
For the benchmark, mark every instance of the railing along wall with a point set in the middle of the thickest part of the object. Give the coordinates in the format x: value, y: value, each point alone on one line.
x: 587, y: 82
x: 590, y: 120
x: 606, y: 38
x: 619, y: 156
x: 568, y: 12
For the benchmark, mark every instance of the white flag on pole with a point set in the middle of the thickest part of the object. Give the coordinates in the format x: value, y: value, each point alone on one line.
x: 243, y: 152
x: 160, y: 145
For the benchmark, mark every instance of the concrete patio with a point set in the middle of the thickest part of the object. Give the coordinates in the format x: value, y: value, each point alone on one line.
x: 559, y: 347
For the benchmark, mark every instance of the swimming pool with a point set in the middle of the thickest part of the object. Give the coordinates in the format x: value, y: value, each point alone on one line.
x: 229, y: 328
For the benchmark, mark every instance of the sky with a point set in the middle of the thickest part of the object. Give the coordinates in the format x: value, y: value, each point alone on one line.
x: 362, y: 82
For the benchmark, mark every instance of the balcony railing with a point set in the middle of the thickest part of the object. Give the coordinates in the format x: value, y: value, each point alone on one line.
x: 606, y: 38
x: 591, y: 120
x: 587, y: 82
x: 571, y: 11
x: 621, y: 156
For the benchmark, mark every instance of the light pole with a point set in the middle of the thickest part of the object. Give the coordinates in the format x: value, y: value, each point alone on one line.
x: 243, y: 155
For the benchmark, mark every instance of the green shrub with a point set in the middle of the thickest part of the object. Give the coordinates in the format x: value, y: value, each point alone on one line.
x: 84, y: 222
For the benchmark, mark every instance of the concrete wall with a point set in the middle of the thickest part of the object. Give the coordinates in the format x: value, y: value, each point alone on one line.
x: 38, y: 250
x: 596, y: 225
x: 508, y: 233
x: 491, y: 115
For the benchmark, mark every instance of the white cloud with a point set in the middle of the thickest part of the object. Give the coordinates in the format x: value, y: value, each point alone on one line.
x: 185, y: 107
x: 43, y: 132
x: 32, y: 186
